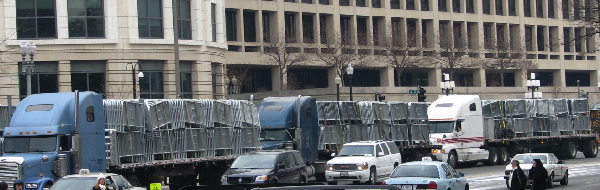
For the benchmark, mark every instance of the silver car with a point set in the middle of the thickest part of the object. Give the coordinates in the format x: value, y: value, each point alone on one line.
x: 87, y: 181
x: 557, y: 170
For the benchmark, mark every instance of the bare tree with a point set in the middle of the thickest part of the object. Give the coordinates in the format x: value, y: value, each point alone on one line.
x: 506, y: 58
x: 339, y: 53
x: 240, y: 73
x: 399, y: 57
x: 284, y: 53
x: 452, y: 54
x: 585, y: 15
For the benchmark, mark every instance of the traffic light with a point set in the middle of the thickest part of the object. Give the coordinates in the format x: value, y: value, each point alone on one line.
x: 421, y: 94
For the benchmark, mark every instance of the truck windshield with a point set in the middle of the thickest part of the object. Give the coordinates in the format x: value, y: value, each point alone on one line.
x: 29, y: 144
x: 256, y: 161
x: 272, y: 135
x: 441, y: 126
x: 357, y: 150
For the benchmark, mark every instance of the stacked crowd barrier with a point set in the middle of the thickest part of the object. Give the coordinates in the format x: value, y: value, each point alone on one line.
x: 349, y: 121
x: 154, y: 130
x: 535, y: 117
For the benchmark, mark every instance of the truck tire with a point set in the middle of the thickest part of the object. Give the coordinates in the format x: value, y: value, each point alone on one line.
x: 503, y: 157
x: 452, y: 159
x: 590, y: 149
x: 492, y: 157
x: 570, y: 150
x: 320, y: 177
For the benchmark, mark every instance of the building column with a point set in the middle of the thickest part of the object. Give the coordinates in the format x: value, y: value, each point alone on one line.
x: 119, y: 83
x: 387, y: 77
x: 559, y: 78
x: 479, y: 78
x: 64, y: 76
x: 434, y: 75
x: 202, y: 80
x: 521, y: 78
x: 169, y: 88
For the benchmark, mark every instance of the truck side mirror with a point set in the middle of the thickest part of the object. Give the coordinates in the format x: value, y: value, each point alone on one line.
x: 280, y: 166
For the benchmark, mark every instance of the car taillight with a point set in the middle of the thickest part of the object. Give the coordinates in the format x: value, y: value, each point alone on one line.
x: 432, y: 185
x: 383, y: 183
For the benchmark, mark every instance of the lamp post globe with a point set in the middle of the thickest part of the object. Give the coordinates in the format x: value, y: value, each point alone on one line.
x: 350, y: 72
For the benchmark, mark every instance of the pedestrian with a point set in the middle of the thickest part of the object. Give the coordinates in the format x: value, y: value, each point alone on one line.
x: 3, y: 185
x: 101, y: 184
x: 18, y: 184
x: 517, y: 180
x: 539, y: 175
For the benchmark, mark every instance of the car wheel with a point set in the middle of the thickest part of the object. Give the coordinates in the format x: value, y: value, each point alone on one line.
x: 467, y: 187
x: 372, y: 177
x: 332, y: 183
x: 565, y: 180
x: 550, y: 181
x: 492, y: 157
x: 590, y: 149
x: 503, y: 156
x: 452, y: 159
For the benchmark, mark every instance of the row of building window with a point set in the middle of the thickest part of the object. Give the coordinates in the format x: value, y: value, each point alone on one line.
x: 37, y: 19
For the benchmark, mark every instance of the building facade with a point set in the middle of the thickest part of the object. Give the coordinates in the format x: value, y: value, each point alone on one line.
x: 472, y: 32
x: 96, y: 45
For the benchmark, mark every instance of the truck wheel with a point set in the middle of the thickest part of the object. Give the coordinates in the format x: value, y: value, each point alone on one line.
x: 452, y: 159
x: 503, y: 156
x: 320, y: 177
x: 590, y: 149
x: 565, y: 180
x: 570, y: 150
x: 372, y: 177
x: 492, y: 157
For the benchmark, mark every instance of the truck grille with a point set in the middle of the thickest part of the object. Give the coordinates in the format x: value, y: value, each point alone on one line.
x: 236, y: 180
x: 9, y: 171
x: 344, y: 167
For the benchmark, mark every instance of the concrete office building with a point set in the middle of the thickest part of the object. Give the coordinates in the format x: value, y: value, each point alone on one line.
x: 534, y: 30
x: 96, y: 44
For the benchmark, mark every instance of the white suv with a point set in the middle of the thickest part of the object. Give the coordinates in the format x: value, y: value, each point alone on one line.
x: 365, y: 161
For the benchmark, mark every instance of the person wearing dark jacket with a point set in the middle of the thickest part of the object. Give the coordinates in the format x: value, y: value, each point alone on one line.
x: 518, y: 179
x: 538, y: 175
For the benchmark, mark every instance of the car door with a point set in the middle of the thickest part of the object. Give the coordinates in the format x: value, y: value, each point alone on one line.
x: 558, y: 168
x: 300, y: 167
x: 461, y: 182
x: 290, y: 163
x: 380, y: 165
x: 281, y: 173
x: 386, y: 160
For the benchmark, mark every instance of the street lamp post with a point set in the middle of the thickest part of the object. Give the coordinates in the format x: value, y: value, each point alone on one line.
x: 338, y: 81
x: 447, y: 85
x: 27, y: 66
x: 350, y: 72
x: 133, y: 78
x: 533, y: 85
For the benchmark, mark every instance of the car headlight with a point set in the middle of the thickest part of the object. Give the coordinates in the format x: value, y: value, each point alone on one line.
x: 31, y: 185
x: 261, y: 178
x: 330, y: 167
x: 224, y: 178
x: 362, y: 166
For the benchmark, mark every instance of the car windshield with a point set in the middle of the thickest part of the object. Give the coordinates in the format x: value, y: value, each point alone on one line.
x: 255, y: 161
x: 416, y: 171
x: 528, y: 159
x: 357, y: 150
x: 74, y: 182
x: 272, y: 135
x: 29, y: 144
x: 441, y: 126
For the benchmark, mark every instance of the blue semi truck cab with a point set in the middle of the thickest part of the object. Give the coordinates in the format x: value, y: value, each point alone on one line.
x: 53, y: 135
x: 291, y: 123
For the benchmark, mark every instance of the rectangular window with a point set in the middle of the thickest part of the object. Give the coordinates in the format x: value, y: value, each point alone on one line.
x: 527, y: 8
x: 539, y: 8
x: 529, y: 38
x: 376, y: 3
x: 486, y: 7
x: 36, y: 19
x: 470, y: 6
x: 396, y: 32
x: 566, y: 9
x: 442, y: 6
x: 395, y: 4
x: 500, y: 37
x: 88, y: 76
x: 487, y: 35
x: 512, y: 7
x: 578, y: 40
x: 249, y: 26
x: 307, y: 1
x: 290, y: 28
x: 424, y: 31
x: 323, y: 26
x: 499, y: 7
x: 457, y: 33
x: 361, y: 3
x: 231, y: 24
x: 291, y: 1
x: 411, y: 33
x: 425, y: 5
x: 576, y: 10
x: 307, y: 29
x: 345, y: 29
x: 43, y: 80
x: 324, y: 2
x: 551, y: 9
x: 184, y: 20
x: 410, y: 4
x: 344, y: 2
x: 186, y: 79
x: 266, y: 27
x: 361, y: 30
x: 86, y: 18
x: 456, y: 6
x: 150, y: 19
x: 151, y: 85
x: 213, y: 21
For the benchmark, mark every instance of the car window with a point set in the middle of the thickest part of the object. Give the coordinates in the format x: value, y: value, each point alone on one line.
x: 452, y: 170
x: 385, y: 149
x: 110, y: 181
x: 289, y: 160
x: 298, y: 158
x: 280, y: 159
x: 447, y: 171
x: 528, y: 159
x: 119, y: 182
x: 378, y: 148
x: 393, y: 147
